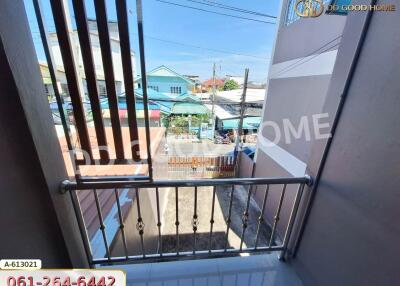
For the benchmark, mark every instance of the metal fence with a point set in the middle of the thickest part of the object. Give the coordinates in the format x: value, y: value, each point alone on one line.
x: 201, y: 166
x: 155, y: 187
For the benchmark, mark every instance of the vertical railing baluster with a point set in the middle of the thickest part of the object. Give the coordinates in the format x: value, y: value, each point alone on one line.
x: 245, y: 218
x: 82, y: 226
x: 159, y: 223
x: 121, y: 222
x: 140, y: 224
x: 228, y: 221
x: 292, y: 218
x: 177, y: 220
x: 102, y: 226
x: 276, y: 219
x: 261, y: 217
x: 211, y: 220
x: 195, y: 220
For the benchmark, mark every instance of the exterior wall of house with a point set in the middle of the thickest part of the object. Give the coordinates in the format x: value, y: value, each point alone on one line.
x: 299, y: 78
x: 352, y: 234
x: 165, y: 83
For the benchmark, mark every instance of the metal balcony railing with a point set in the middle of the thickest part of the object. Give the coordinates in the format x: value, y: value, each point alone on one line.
x: 153, y: 188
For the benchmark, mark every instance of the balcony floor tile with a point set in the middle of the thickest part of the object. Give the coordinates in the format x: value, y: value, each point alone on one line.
x: 260, y: 270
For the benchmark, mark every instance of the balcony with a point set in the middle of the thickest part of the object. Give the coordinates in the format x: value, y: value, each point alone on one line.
x: 237, y: 226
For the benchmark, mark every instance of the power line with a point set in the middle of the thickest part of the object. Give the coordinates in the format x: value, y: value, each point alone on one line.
x: 213, y: 12
x: 203, y: 48
x: 194, y: 46
x: 231, y: 8
x: 313, y: 53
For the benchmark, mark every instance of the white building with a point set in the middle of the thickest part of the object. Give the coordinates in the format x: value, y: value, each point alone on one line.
x: 116, y: 56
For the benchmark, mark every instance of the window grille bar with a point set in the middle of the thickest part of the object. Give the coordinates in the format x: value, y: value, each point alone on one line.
x: 90, y: 74
x: 64, y: 41
x: 123, y: 29
x: 106, y: 56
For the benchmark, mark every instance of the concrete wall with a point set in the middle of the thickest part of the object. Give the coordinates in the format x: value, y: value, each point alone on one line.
x: 352, y: 234
x: 37, y: 221
x: 299, y: 77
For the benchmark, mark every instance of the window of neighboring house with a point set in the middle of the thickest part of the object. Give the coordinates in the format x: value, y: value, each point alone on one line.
x: 176, y: 89
x: 291, y: 15
x: 64, y: 89
x: 153, y: 87
x: 49, y: 90
x: 102, y: 89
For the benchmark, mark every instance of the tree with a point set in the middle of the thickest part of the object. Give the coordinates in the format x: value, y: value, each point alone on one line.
x: 230, y: 84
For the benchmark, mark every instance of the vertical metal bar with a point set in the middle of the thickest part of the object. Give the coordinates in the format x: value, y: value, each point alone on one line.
x: 140, y: 224
x: 102, y: 226
x: 90, y: 73
x: 212, y: 219
x: 121, y: 222
x: 292, y: 219
x: 144, y: 84
x: 160, y: 248
x: 177, y: 220
x: 245, y: 217
x: 195, y: 220
x: 82, y: 227
x: 71, y: 74
x: 123, y: 29
x: 228, y: 221
x: 261, y: 217
x: 106, y: 55
x: 276, y: 219
x: 49, y: 58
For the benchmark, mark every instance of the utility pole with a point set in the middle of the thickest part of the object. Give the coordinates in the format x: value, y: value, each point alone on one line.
x: 213, y: 103
x: 240, y: 126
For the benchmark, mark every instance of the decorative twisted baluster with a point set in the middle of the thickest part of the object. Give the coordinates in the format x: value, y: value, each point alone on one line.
x: 211, y: 220
x: 245, y: 218
x: 160, y: 251
x: 195, y: 220
x: 121, y: 223
x: 261, y: 217
x: 276, y: 219
x: 140, y: 224
x: 177, y: 220
x: 102, y: 225
x: 228, y: 220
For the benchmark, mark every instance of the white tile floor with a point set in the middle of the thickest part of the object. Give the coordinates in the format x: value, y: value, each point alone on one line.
x: 234, y: 271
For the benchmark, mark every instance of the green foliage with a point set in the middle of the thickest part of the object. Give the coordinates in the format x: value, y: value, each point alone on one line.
x: 231, y: 84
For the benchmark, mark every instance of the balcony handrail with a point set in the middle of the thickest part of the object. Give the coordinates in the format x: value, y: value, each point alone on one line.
x: 271, y: 244
x: 84, y: 185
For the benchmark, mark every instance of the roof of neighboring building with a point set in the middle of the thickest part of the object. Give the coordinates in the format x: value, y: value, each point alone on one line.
x: 188, y: 97
x: 220, y: 112
x: 189, y: 108
x: 164, y: 71
x: 210, y: 82
x: 252, y: 95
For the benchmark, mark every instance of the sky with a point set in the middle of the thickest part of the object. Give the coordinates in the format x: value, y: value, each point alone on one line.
x: 189, y: 41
